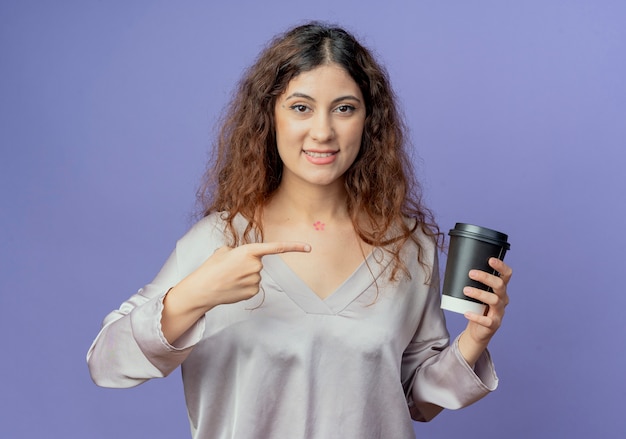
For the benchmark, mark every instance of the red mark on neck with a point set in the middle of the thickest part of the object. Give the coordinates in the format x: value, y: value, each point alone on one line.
x: 319, y: 225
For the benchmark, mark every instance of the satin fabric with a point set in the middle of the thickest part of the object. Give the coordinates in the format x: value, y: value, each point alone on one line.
x: 286, y: 364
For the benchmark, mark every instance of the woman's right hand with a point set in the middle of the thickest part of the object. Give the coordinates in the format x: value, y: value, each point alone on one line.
x: 230, y: 275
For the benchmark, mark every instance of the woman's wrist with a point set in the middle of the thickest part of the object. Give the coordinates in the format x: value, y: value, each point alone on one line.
x: 470, y: 349
x: 180, y: 312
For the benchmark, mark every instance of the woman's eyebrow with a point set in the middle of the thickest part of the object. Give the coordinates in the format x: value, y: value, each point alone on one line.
x: 346, y: 98
x: 300, y: 95
x: 310, y: 98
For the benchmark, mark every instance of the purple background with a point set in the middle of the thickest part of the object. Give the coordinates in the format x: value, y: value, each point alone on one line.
x: 517, y: 109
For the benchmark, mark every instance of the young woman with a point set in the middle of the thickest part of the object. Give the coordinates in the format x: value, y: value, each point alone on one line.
x: 305, y: 304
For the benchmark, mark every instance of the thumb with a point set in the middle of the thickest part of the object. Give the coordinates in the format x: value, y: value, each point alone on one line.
x: 222, y: 250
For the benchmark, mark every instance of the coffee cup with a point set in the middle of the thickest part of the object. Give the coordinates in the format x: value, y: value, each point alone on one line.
x: 470, y: 249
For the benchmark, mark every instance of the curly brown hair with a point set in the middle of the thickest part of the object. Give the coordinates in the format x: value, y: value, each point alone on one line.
x: 380, y: 184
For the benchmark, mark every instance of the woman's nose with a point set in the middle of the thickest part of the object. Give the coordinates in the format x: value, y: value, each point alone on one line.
x: 322, y: 128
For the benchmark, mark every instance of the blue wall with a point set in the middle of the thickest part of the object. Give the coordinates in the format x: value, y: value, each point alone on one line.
x: 518, y: 113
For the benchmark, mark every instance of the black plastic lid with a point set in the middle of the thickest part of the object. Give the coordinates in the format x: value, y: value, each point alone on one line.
x: 480, y: 233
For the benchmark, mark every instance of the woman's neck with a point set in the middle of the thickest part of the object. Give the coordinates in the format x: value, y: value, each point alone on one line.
x: 309, y: 203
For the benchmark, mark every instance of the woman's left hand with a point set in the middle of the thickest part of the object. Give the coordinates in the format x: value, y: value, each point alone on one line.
x: 481, y: 328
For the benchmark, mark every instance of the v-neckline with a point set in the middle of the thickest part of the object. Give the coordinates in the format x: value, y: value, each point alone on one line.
x: 309, y: 301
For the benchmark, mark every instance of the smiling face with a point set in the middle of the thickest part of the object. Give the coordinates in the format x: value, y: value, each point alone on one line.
x: 319, y: 124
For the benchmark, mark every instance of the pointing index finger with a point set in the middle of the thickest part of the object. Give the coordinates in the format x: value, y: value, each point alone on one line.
x: 271, y: 248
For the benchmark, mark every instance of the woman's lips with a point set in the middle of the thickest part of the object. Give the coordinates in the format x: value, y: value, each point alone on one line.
x: 320, y: 157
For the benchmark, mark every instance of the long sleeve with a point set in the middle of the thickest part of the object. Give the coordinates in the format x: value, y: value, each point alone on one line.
x: 130, y: 347
x: 435, y: 374
x: 293, y: 364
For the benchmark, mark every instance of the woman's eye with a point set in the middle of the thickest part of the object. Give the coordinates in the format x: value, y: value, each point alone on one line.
x: 299, y: 108
x: 345, y: 109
